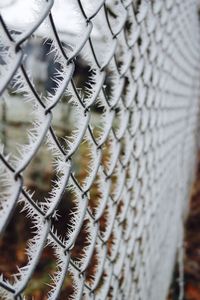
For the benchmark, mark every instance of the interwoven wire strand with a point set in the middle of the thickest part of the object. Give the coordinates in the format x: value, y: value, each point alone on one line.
x: 140, y: 157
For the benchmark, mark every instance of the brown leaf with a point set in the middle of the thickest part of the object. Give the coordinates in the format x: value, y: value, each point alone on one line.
x: 192, y: 292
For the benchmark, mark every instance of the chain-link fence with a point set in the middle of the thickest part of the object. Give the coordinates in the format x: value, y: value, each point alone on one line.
x: 99, y: 115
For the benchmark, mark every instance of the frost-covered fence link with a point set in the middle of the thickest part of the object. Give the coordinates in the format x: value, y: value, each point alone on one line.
x: 98, y: 144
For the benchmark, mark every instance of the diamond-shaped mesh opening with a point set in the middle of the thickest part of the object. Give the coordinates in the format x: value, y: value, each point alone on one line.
x: 16, y: 235
x: 63, y: 222
x: 15, y: 122
x: 41, y: 175
x: 40, y: 284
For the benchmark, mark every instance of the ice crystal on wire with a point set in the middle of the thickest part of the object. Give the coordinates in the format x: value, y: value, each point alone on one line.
x: 9, y: 193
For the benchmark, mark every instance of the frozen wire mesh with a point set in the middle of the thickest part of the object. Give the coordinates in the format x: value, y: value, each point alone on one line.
x: 99, y: 116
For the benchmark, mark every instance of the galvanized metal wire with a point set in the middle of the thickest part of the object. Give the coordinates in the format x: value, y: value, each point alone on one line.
x: 145, y: 76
